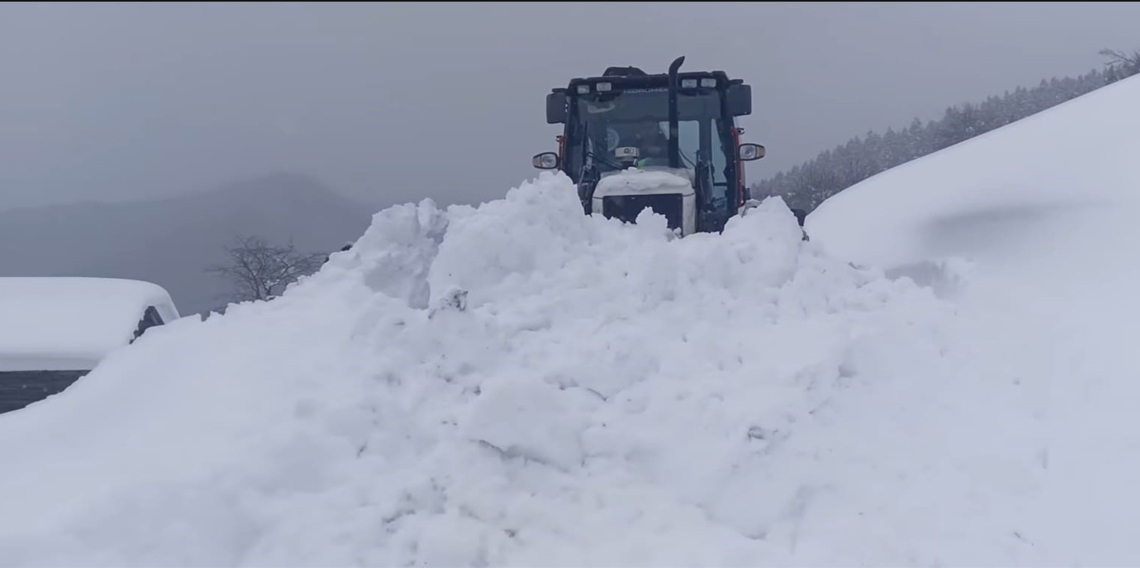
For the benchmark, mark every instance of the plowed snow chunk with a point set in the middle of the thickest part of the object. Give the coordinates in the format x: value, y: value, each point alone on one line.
x: 528, y: 419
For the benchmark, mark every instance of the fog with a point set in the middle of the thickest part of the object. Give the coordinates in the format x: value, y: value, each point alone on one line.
x: 395, y: 102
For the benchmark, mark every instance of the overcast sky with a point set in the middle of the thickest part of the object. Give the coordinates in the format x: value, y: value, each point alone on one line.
x: 126, y: 101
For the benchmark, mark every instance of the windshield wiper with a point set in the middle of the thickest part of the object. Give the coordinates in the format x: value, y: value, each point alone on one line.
x: 686, y: 159
x: 589, y: 152
x: 604, y: 161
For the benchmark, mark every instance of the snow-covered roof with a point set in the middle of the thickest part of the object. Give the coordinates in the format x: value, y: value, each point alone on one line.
x: 71, y: 323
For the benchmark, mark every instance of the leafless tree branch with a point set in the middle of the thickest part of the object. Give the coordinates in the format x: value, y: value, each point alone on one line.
x: 262, y: 271
x: 1121, y: 62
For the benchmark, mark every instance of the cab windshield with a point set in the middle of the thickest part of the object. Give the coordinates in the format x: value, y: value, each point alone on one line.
x: 603, y: 123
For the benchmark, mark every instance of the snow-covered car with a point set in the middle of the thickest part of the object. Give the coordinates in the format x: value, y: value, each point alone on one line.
x: 54, y: 330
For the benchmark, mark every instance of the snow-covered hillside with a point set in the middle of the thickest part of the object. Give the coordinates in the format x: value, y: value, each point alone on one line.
x: 1059, y: 186
x: 518, y: 384
x: 1041, y: 215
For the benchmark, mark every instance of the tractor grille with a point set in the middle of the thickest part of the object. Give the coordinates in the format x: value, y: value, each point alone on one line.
x: 21, y: 388
x: 627, y: 207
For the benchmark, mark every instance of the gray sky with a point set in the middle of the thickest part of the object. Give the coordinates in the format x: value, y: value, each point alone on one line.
x: 399, y: 102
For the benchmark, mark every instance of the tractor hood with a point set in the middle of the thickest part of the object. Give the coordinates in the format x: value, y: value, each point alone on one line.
x: 667, y: 191
x: 634, y: 181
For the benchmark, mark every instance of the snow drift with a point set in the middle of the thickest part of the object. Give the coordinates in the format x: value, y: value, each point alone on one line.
x: 1033, y: 228
x: 510, y: 384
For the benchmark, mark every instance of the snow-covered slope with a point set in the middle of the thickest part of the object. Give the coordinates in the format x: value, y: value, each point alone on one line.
x: 518, y: 384
x: 1033, y: 227
x: 1057, y: 187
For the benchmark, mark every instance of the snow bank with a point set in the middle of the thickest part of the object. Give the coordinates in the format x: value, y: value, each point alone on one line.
x: 1032, y: 230
x: 513, y: 384
x: 71, y: 323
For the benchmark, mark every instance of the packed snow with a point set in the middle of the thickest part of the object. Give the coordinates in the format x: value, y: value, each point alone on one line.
x: 520, y: 384
x: 66, y: 323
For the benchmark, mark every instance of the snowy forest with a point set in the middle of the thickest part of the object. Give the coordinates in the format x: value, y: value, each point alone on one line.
x: 807, y: 185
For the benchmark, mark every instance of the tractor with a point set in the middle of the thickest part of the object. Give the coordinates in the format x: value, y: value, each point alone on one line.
x: 668, y: 142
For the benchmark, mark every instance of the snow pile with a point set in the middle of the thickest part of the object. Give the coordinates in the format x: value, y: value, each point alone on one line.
x: 516, y: 384
x: 71, y: 323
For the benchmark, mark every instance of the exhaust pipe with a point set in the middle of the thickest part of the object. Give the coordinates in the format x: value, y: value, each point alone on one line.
x: 674, y: 143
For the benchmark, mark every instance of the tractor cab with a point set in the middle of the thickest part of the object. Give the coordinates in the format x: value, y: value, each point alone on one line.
x: 668, y: 142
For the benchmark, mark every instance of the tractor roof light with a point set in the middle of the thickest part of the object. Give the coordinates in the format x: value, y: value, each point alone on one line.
x: 688, y: 83
x: 583, y: 89
x: 708, y: 82
x: 604, y: 87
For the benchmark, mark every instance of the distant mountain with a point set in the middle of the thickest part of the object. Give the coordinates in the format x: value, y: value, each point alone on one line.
x: 172, y: 242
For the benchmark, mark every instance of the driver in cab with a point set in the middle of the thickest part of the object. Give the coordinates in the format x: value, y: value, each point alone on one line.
x: 653, y: 146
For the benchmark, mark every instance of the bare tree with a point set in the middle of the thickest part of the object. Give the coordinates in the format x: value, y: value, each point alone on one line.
x: 261, y: 271
x: 1121, y: 63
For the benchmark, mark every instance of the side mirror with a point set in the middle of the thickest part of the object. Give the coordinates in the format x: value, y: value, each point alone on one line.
x: 749, y: 152
x: 556, y: 107
x: 545, y: 161
x: 739, y: 98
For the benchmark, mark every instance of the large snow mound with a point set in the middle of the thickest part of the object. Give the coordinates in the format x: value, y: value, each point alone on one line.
x: 513, y: 384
